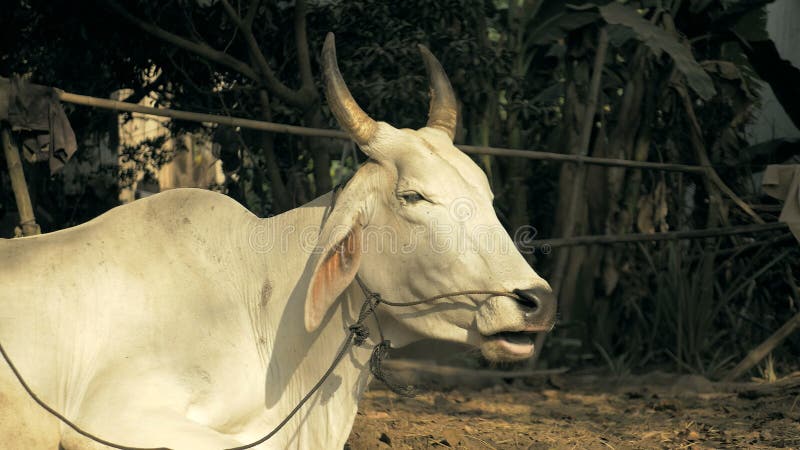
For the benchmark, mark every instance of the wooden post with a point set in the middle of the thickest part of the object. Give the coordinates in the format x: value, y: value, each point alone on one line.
x: 27, y: 220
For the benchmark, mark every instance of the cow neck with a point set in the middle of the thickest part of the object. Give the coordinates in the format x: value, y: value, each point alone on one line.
x: 294, y: 361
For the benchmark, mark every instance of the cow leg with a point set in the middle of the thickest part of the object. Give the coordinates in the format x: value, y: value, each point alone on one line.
x: 153, y: 430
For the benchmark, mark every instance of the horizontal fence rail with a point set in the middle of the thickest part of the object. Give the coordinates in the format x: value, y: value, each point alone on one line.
x: 666, y: 236
x: 482, y: 150
x: 561, y: 157
x: 115, y: 105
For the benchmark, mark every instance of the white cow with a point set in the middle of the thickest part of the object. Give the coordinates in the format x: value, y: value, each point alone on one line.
x: 182, y: 320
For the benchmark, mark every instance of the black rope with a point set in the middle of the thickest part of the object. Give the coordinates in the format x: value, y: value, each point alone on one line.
x: 381, y: 351
x: 379, y: 354
x: 63, y: 419
x: 359, y: 330
x: 355, y: 334
x: 454, y: 294
x: 345, y: 347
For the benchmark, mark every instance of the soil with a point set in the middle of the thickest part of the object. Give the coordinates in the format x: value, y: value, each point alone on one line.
x: 584, y: 411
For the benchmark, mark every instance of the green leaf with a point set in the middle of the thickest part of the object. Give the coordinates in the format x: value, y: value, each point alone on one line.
x: 555, y: 20
x: 698, y: 6
x: 749, y: 24
x: 618, y: 35
x: 658, y: 40
x: 549, y: 95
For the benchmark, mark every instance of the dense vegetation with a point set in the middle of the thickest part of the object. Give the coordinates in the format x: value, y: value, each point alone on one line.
x: 672, y: 83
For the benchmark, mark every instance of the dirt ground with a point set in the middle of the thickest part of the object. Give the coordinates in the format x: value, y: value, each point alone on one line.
x: 585, y: 411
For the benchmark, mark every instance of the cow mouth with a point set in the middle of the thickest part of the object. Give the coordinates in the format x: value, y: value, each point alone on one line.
x: 515, y: 344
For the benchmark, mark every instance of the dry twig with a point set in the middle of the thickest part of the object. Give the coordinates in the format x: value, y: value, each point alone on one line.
x: 763, y: 349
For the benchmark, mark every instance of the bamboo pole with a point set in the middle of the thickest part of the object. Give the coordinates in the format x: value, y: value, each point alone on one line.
x: 758, y: 353
x: 486, y: 150
x: 594, y: 160
x: 696, y: 138
x: 114, y: 105
x: 673, y: 235
x: 26, y: 217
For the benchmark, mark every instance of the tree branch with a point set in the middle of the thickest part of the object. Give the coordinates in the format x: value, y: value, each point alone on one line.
x: 763, y: 349
x: 696, y: 136
x: 237, y: 20
x: 301, y: 40
x: 573, y: 197
x: 200, y: 49
x: 280, y: 195
x: 252, y: 10
x: 295, y: 98
x: 140, y: 92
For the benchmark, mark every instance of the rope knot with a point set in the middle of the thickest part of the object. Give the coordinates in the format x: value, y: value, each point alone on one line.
x: 375, y: 299
x: 360, y: 333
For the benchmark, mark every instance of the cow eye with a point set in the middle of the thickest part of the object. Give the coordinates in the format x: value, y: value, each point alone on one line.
x: 409, y: 197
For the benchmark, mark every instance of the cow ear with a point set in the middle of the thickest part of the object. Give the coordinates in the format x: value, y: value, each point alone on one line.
x: 337, y: 266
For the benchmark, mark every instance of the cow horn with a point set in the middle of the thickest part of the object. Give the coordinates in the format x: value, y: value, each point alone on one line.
x: 350, y: 116
x: 442, y: 114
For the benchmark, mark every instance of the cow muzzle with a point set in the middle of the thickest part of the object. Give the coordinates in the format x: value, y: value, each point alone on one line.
x: 509, y: 326
x: 539, y: 306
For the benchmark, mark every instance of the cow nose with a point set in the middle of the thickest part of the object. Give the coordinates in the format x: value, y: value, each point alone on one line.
x: 539, y: 305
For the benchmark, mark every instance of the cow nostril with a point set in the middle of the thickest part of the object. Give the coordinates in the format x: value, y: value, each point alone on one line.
x: 527, y: 299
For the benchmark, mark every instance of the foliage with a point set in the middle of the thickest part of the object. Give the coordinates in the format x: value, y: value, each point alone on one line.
x: 660, y: 40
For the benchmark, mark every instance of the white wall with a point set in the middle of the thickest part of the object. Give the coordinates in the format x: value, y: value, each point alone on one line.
x: 193, y: 165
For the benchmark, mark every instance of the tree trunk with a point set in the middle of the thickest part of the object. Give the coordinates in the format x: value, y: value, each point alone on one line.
x: 574, y: 205
x: 320, y: 153
x: 281, y: 200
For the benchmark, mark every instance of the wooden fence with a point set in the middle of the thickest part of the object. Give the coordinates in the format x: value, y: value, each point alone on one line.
x: 114, y: 105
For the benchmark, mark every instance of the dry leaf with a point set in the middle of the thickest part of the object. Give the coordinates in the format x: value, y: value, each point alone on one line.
x: 660, y: 208
x: 610, y: 275
x: 644, y: 221
x: 653, y: 209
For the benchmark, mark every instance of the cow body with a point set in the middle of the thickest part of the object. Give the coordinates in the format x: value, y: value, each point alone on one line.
x: 175, y: 309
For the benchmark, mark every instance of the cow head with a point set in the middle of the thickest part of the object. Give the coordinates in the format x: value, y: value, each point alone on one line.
x: 417, y: 220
